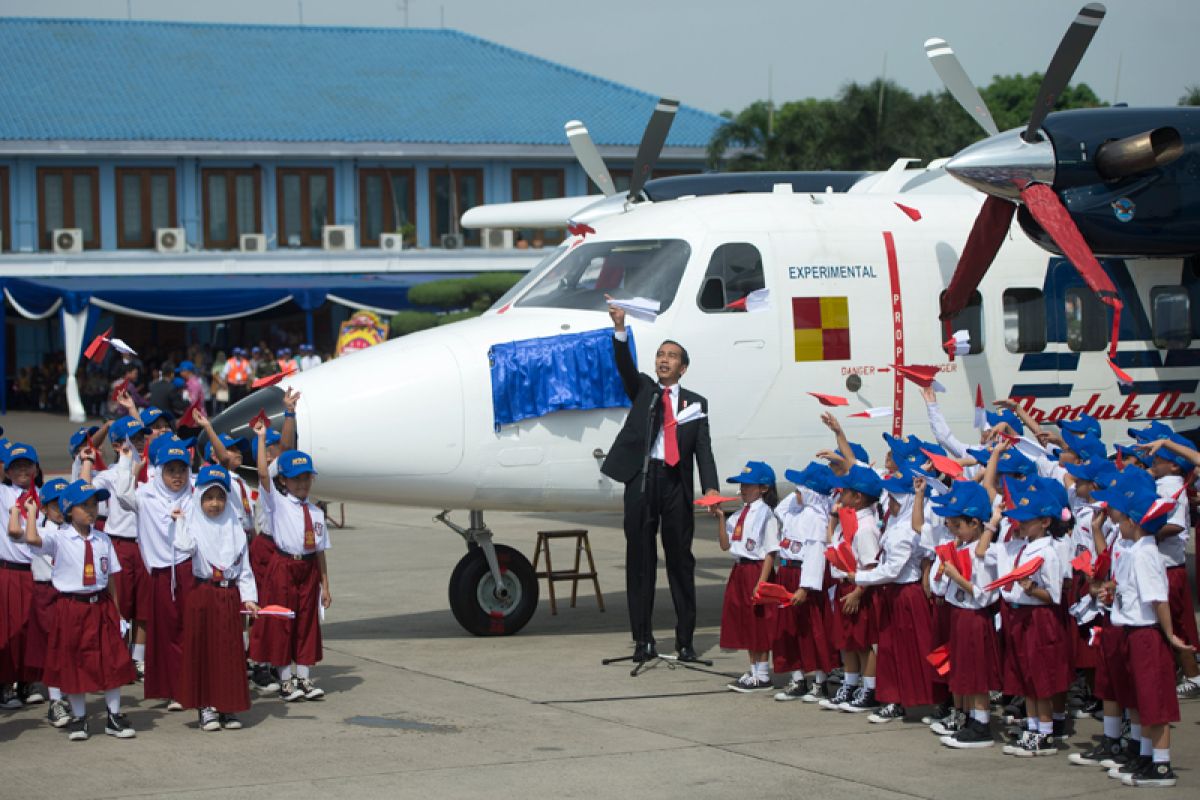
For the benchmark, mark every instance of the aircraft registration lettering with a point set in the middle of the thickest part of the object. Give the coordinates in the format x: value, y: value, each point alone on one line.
x: 831, y: 271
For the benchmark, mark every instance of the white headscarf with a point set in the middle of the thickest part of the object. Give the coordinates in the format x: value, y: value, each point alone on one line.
x: 156, y: 501
x: 220, y: 539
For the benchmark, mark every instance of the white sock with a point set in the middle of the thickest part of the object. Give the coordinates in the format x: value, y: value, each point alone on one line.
x: 1031, y: 724
x: 981, y: 716
x: 820, y: 677
x: 852, y: 678
x: 1112, y: 727
x: 1135, y: 732
x: 869, y: 683
x: 1045, y: 728
x: 139, y: 652
x: 77, y: 707
x: 302, y: 671
x: 798, y: 675
x: 245, y: 640
x: 55, y: 693
x: 112, y: 699
x: 1147, y: 748
x: 1162, y: 756
x: 285, y: 673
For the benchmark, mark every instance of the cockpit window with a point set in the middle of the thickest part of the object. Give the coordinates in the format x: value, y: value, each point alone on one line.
x: 648, y: 269
x: 734, y: 271
x: 530, y: 277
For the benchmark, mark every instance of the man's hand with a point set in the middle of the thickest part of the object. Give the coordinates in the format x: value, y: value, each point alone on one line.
x: 616, y: 314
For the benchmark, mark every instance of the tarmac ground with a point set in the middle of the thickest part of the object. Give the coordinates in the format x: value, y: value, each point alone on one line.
x: 418, y: 708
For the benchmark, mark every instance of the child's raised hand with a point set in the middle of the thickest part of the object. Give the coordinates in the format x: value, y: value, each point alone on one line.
x: 919, y: 485
x: 290, y: 398
x: 928, y: 395
x: 831, y: 422
x: 201, y: 419
x: 31, y: 507
x: 260, y: 430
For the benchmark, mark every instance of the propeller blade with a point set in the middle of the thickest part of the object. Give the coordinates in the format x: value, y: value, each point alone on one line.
x: 653, y: 140
x: 987, y: 234
x: 1062, y: 67
x: 955, y: 79
x: 589, y: 157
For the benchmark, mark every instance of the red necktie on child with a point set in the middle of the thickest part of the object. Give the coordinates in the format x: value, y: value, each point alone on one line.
x: 245, y: 498
x: 310, y: 535
x: 670, y: 442
x: 89, y: 568
x: 737, y: 528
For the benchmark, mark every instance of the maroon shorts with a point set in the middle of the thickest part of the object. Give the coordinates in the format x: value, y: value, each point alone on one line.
x: 1183, y: 613
x: 1037, y: 665
x: 744, y: 625
x: 86, y: 652
x: 852, y: 632
x: 974, y: 651
x: 1152, y: 665
x: 214, y: 658
x: 262, y: 547
x: 294, y: 584
x: 800, y: 640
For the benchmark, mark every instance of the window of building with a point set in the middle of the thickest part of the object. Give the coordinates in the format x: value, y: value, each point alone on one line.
x: 305, y: 202
x: 387, y: 203
x: 734, y: 271
x: 69, y: 197
x: 538, y: 184
x: 145, y: 203
x: 1171, y: 315
x: 232, y: 205
x: 970, y: 319
x: 1024, y: 320
x: 5, y: 226
x: 1087, y: 320
x: 452, y: 192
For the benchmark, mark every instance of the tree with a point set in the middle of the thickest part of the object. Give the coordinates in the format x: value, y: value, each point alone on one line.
x: 1191, y: 96
x: 450, y: 300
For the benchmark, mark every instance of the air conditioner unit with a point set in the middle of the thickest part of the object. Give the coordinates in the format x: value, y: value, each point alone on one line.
x: 66, y: 240
x: 170, y: 240
x: 252, y: 243
x: 497, y: 238
x: 391, y: 241
x: 337, y: 237
x: 451, y: 241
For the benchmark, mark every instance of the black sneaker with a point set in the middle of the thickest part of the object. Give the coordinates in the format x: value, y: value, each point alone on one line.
x: 889, y: 713
x: 748, y: 683
x: 1131, y: 767
x: 1128, y: 752
x: 290, y: 691
x: 9, y: 698
x: 843, y: 695
x: 1060, y: 730
x: 1016, y: 745
x: 263, y: 680
x: 314, y: 692
x: 209, y: 719
x: 950, y: 724
x: 117, y: 725
x: 864, y: 701
x: 1107, y: 748
x: 1089, y: 708
x: 1015, y: 710
x: 818, y: 693
x: 32, y: 693
x: 939, y: 713
x: 230, y: 722
x: 58, y: 714
x: 1187, y: 690
x: 1036, y: 744
x: 974, y: 734
x: 1157, y: 774
x: 78, y: 731
x: 795, y: 690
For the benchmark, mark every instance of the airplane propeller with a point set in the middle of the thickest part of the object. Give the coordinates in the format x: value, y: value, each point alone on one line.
x: 650, y: 148
x: 1018, y: 167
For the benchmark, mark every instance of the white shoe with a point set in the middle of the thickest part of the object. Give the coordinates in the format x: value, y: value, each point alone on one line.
x: 174, y: 705
x: 209, y: 720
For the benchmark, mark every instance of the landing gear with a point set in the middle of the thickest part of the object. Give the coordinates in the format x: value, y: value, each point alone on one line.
x: 493, y: 589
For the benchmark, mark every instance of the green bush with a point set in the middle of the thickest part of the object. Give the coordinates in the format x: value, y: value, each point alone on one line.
x: 405, y: 322
x: 451, y: 294
x: 456, y: 316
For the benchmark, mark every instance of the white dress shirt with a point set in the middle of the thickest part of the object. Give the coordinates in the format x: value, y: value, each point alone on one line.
x: 1141, y: 582
x: 121, y: 522
x: 67, y: 548
x: 1174, y: 548
x: 1048, y: 576
x: 802, y: 537
x: 900, y: 556
x: 760, y: 532
x: 286, y: 522
x: 983, y: 572
x: 13, y: 550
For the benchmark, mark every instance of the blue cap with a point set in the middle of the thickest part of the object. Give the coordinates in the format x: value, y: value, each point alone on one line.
x: 901, y: 484
x: 79, y: 492
x: 213, y: 475
x: 256, y: 349
x: 167, y: 449
x: 1094, y: 471
x: 1054, y: 489
x: 1034, y: 504
x: 965, y: 499
x: 860, y: 453
x: 753, y: 472
x: 52, y: 490
x: 863, y: 480
x: 994, y: 418
x: 237, y: 351
x: 229, y: 442
x: 1085, y: 424
x: 1140, y: 456
x: 150, y: 415
x: 1153, y: 432
x: 125, y: 428
x: 293, y: 463
x: 1183, y: 462
x: 81, y: 437
x: 816, y: 476
x: 19, y: 451
x: 1013, y: 461
x: 1140, y: 503
x: 1087, y: 447
x: 187, y: 366
x: 980, y: 454
x: 273, y: 437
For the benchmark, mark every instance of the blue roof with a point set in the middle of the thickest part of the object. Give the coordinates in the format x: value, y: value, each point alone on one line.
x: 75, y: 79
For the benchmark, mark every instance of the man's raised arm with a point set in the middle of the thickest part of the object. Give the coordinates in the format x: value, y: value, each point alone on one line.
x: 625, y: 366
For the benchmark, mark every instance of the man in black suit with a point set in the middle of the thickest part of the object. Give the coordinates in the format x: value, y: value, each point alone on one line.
x: 653, y: 456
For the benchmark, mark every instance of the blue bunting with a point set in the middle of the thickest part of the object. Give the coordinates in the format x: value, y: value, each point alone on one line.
x: 534, y: 377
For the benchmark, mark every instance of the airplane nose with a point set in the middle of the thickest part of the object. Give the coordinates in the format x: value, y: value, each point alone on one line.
x: 235, y: 420
x: 1003, y: 165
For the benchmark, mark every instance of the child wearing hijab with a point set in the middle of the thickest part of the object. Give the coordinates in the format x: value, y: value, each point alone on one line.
x: 16, y: 576
x: 214, y: 656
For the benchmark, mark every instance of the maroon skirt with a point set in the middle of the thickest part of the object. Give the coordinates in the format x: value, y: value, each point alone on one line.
x: 280, y: 641
x: 214, y: 658
x: 974, y: 651
x: 1035, y: 663
x: 800, y: 640
x: 41, y: 620
x: 16, y: 597
x: 744, y: 625
x: 1153, y: 665
x: 852, y: 632
x: 86, y: 652
x: 133, y: 581
x: 943, y: 613
x: 164, y: 630
x: 1113, y: 682
x: 1183, y: 613
x: 904, y: 674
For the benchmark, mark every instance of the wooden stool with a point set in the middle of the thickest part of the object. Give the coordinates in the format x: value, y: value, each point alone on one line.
x: 574, y: 575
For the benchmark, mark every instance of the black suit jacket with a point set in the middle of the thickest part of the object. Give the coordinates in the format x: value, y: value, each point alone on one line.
x: 625, y: 457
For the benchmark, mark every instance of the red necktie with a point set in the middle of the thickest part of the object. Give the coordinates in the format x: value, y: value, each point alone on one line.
x: 310, y: 536
x: 737, y: 528
x: 245, y: 499
x: 670, y: 442
x: 89, y: 568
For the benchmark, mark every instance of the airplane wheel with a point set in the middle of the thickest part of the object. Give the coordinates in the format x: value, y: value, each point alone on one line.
x: 477, y: 604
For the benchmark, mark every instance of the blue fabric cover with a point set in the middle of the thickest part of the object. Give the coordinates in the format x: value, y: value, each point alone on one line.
x: 534, y: 377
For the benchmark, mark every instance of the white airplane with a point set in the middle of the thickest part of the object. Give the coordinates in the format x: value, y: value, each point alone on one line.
x: 853, y: 282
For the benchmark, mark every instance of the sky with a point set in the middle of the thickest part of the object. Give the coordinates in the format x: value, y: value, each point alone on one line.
x: 719, y: 55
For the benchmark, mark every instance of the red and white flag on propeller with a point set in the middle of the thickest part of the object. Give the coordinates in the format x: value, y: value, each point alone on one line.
x: 872, y: 413
x: 980, y: 408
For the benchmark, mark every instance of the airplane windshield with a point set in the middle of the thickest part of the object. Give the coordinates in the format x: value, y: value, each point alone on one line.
x: 530, y: 277
x: 650, y: 269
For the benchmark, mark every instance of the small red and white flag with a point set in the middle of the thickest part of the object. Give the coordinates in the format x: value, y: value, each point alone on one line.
x: 873, y: 413
x: 980, y: 408
x: 958, y: 345
x: 755, y: 301
x: 1161, y: 508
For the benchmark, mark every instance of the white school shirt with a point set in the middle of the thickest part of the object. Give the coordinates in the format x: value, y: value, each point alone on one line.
x: 760, y: 532
x: 1141, y: 581
x: 42, y: 564
x: 983, y: 571
x: 934, y: 534
x: 803, y: 535
x: 121, y: 522
x: 1064, y: 547
x: 154, y: 536
x: 67, y: 548
x: 900, y: 556
x: 1048, y: 576
x: 286, y: 522
x: 13, y: 550
x: 866, y: 541
x: 954, y: 446
x: 235, y: 496
x: 1174, y: 548
x: 238, y: 571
